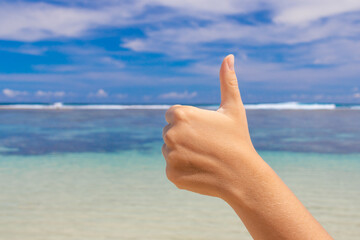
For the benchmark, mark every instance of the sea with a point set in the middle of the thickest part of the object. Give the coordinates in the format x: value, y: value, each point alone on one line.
x: 93, y: 172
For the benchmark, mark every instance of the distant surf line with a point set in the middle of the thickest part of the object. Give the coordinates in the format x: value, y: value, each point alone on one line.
x: 259, y: 106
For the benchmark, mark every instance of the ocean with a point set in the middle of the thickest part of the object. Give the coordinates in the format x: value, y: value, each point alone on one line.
x: 96, y: 172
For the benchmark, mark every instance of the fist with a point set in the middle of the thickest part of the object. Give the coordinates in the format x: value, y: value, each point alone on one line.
x: 206, y: 150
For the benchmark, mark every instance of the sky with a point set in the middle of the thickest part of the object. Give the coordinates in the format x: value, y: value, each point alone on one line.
x: 170, y: 51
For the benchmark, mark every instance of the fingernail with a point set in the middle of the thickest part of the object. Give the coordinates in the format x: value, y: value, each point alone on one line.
x: 230, y: 61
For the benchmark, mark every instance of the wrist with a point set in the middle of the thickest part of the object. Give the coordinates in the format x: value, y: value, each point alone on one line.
x: 245, y: 180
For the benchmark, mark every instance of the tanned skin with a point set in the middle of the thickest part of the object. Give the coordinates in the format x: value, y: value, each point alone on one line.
x: 211, y: 153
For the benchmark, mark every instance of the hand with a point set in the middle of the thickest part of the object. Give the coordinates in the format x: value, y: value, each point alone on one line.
x: 206, y: 150
x: 210, y: 152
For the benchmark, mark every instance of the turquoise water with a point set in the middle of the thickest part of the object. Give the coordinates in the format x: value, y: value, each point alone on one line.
x: 83, y: 174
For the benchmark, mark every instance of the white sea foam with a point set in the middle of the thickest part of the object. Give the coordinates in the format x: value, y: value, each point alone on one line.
x: 260, y: 106
x: 291, y: 106
x: 61, y: 106
x: 122, y: 107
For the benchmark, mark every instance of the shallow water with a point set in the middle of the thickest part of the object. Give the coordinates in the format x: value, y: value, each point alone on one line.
x: 100, y: 175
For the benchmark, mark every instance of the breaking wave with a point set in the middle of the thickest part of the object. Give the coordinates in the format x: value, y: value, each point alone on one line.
x: 291, y: 106
x: 260, y: 106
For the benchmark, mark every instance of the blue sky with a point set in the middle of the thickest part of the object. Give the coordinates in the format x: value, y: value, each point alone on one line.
x: 170, y: 51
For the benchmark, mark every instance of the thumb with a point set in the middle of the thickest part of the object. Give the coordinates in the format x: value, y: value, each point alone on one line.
x: 230, y: 94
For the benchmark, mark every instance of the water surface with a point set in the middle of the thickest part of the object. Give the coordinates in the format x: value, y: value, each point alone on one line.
x: 99, y: 174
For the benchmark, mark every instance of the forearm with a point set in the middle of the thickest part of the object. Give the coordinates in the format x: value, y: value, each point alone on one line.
x: 267, y: 206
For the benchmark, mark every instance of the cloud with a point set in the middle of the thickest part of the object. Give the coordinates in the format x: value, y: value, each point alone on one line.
x: 188, y: 40
x: 300, y: 44
x: 60, y: 68
x: 332, y: 52
x: 99, y: 94
x: 121, y: 95
x: 34, y: 21
x: 276, y: 76
x: 112, y: 62
x: 288, y: 24
x: 81, y: 79
x: 26, y: 49
x: 13, y: 93
x: 83, y: 60
x: 37, y: 21
x: 304, y: 11
x: 177, y: 95
x: 147, y: 98
x: 48, y: 94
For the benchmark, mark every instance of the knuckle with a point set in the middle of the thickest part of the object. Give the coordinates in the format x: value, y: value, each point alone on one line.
x: 165, y: 130
x: 172, y: 108
x: 170, y: 174
x: 174, y: 177
x: 170, y: 137
x: 173, y: 158
x: 180, y: 114
x: 175, y: 106
x: 179, y: 182
x: 163, y: 149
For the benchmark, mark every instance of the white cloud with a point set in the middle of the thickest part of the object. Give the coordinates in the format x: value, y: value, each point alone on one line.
x: 78, y: 79
x: 357, y: 95
x: 48, y: 94
x: 339, y: 51
x: 112, y: 62
x: 305, y: 11
x: 37, y: 21
x: 121, y: 95
x: 282, y: 76
x: 207, y: 7
x: 26, y: 49
x: 26, y: 21
x: 13, y: 93
x: 83, y: 60
x: 189, y: 40
x: 177, y: 95
x: 147, y: 97
x: 288, y: 28
x: 100, y: 94
x: 58, y: 68
x: 30, y: 22
x: 314, y: 32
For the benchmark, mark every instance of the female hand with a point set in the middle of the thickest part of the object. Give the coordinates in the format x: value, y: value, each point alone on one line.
x: 205, y: 150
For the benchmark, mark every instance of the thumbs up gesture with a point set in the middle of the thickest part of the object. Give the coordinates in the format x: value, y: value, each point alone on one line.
x: 210, y: 152
x: 206, y: 150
